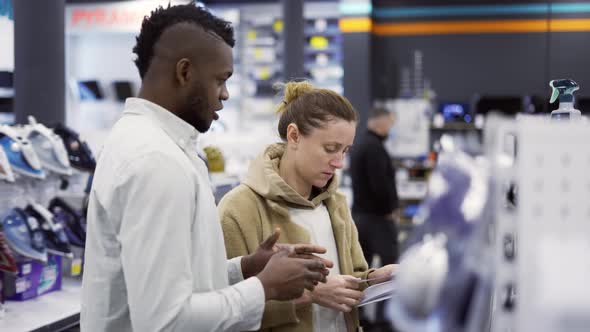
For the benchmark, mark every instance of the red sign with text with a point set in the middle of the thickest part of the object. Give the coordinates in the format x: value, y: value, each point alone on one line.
x: 114, y: 17
x: 106, y: 17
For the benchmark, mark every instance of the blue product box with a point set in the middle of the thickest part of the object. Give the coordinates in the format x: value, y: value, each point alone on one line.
x: 34, y: 279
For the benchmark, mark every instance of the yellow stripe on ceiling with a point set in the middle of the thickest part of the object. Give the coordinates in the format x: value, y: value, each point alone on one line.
x: 357, y: 24
x: 477, y: 27
x: 460, y: 27
x: 570, y: 24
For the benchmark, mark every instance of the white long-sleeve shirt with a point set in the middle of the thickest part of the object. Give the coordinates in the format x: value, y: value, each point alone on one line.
x: 155, y: 255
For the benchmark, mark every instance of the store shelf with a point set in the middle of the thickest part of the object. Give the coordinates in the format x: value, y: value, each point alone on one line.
x: 456, y: 127
x: 330, y: 49
x: 263, y: 63
x: 323, y: 51
x: 7, y: 118
x: 54, y: 311
x: 425, y: 165
x: 262, y: 43
x: 330, y: 32
x: 6, y: 92
x: 329, y: 64
x: 328, y: 81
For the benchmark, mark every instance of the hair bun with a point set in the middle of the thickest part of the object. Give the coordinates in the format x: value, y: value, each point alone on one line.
x: 292, y: 91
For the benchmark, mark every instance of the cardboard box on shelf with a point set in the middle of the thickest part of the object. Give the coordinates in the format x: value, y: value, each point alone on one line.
x: 33, y: 279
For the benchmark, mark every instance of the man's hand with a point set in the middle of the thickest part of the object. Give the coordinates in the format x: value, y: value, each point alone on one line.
x: 382, y: 274
x: 285, y: 278
x: 340, y: 293
x: 254, y: 263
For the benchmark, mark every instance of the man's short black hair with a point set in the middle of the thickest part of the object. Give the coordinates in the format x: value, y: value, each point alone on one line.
x: 162, y: 18
x: 377, y: 112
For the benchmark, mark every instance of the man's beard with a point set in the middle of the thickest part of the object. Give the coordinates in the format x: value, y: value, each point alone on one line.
x: 195, y: 114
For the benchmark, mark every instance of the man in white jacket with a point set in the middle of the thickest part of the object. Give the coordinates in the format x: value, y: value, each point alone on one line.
x: 155, y: 256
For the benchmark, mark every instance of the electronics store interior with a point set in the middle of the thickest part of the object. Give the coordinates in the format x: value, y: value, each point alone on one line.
x: 322, y: 165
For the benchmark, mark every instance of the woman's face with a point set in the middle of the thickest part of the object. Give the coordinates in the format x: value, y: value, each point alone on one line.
x: 319, y: 154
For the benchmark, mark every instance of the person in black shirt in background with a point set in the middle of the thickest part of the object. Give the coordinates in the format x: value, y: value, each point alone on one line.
x: 375, y: 201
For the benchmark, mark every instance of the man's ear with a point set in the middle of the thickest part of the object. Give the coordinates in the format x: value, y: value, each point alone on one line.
x: 293, y: 134
x: 183, y: 71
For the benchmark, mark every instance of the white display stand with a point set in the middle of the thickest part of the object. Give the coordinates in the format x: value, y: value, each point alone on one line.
x: 54, y: 311
x: 541, y: 265
x: 411, y: 127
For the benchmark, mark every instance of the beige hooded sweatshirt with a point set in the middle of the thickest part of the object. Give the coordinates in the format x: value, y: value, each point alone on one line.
x: 250, y: 212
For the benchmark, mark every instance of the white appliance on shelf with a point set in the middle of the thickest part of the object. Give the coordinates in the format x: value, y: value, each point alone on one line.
x: 541, y: 265
x: 412, y: 125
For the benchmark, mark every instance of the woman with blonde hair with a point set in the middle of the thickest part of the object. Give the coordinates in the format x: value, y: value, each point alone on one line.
x: 293, y: 186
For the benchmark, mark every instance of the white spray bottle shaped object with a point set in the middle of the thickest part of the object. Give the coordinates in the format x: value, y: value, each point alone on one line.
x: 564, y: 90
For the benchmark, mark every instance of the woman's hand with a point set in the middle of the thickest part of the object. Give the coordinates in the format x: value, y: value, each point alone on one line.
x: 340, y: 292
x: 304, y: 300
x: 382, y: 274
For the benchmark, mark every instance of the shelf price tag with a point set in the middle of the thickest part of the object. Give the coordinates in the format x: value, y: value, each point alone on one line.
x: 319, y: 42
x: 76, y: 267
x: 278, y: 26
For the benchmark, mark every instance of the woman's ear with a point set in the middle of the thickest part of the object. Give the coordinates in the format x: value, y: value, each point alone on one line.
x: 293, y: 135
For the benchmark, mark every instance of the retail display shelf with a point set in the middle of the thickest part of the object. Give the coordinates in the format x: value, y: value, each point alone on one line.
x: 413, y: 164
x: 323, y: 52
x: 54, y: 311
x: 264, y: 63
x: 329, y: 49
x: 456, y: 127
x: 6, y: 92
x: 330, y: 64
x: 262, y: 43
x: 330, y: 32
x: 331, y: 83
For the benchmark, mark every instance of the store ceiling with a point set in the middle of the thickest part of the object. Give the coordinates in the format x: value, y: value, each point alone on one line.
x: 92, y: 1
x: 209, y: 2
x: 205, y: 1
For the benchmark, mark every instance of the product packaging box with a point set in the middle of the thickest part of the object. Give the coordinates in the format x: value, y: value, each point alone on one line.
x: 33, y: 279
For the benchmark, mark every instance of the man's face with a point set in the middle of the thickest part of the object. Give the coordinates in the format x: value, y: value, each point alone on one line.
x: 384, y: 123
x: 206, y: 90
